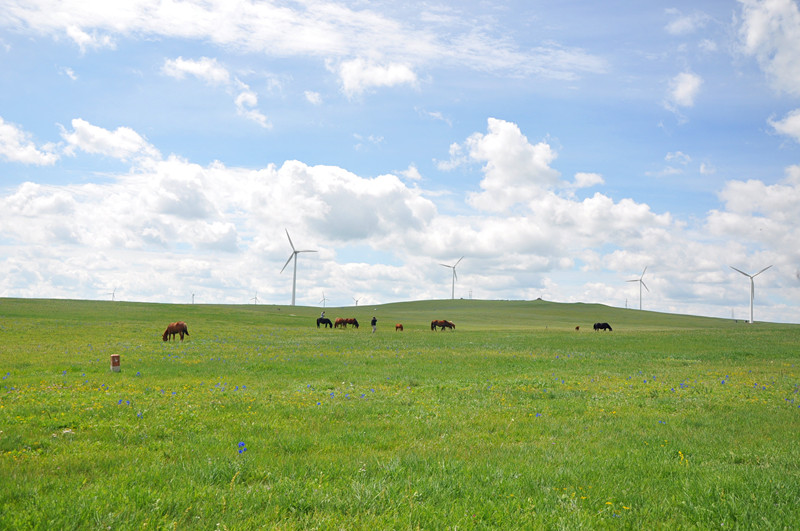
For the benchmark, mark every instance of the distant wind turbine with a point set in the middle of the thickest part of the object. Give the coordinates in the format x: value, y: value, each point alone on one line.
x: 294, y: 254
x: 356, y: 300
x: 455, y: 276
x: 324, y: 300
x: 255, y: 299
x: 752, y: 286
x: 113, y: 293
x: 641, y: 283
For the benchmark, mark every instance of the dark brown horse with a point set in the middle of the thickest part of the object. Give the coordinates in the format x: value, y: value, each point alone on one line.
x: 398, y: 326
x: 343, y: 322
x: 174, y: 329
x: 442, y: 324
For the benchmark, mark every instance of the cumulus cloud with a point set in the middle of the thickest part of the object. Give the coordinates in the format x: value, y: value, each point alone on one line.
x: 209, y: 70
x: 359, y: 75
x: 515, y: 170
x: 770, y: 32
x: 17, y: 145
x: 123, y: 143
x: 218, y: 230
x: 788, y: 125
x: 683, y: 90
x: 314, y: 98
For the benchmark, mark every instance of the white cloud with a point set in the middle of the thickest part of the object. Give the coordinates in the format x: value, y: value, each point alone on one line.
x: 587, y: 180
x: 789, y: 125
x: 515, y: 171
x: 172, y: 227
x: 206, y: 69
x: 213, y: 73
x: 684, y: 24
x: 770, y: 31
x: 679, y: 157
x: 411, y: 174
x: 398, y: 50
x: 683, y: 90
x: 246, y: 103
x: 707, y: 169
x: 359, y: 75
x: 17, y: 145
x: 314, y: 98
x: 85, y: 40
x: 123, y: 143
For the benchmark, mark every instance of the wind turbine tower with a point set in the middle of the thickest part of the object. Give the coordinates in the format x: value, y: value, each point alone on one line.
x: 641, y: 283
x: 453, y: 267
x: 752, y: 286
x: 294, y: 254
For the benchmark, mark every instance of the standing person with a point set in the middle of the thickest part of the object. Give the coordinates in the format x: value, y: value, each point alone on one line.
x: 374, y: 324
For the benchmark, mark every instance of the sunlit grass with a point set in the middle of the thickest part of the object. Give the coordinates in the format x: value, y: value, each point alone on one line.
x: 260, y: 419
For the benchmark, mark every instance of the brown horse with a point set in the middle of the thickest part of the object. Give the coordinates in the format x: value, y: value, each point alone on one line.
x: 174, y: 329
x: 340, y: 322
x: 398, y: 326
x: 442, y: 324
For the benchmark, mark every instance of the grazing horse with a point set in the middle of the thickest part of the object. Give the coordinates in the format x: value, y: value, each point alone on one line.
x: 398, y: 326
x: 602, y: 326
x: 174, y: 329
x: 343, y: 322
x: 324, y: 321
x: 577, y: 328
x: 352, y: 321
x: 442, y: 324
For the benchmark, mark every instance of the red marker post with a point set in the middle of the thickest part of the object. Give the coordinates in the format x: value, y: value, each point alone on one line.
x: 115, y: 363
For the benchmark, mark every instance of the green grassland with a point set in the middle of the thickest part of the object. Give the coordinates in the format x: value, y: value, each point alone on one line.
x: 514, y: 420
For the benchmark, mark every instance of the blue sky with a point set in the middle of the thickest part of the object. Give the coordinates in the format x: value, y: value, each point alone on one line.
x: 160, y: 149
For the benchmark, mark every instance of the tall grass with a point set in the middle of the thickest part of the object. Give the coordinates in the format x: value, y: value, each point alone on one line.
x: 513, y: 420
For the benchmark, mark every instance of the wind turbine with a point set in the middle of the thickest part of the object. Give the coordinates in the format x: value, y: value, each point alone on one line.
x: 453, y: 267
x: 641, y: 283
x: 752, y: 286
x: 113, y: 294
x: 294, y: 254
x: 356, y: 300
x: 255, y: 299
x: 323, y: 299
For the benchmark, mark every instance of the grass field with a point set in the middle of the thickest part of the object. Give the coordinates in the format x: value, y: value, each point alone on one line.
x: 515, y: 420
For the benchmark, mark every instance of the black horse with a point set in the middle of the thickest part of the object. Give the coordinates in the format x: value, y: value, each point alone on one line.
x: 324, y: 321
x: 602, y: 326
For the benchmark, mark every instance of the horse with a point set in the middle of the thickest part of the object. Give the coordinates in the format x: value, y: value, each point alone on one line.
x: 173, y: 329
x: 602, y: 326
x: 398, y: 326
x: 340, y: 322
x: 352, y: 321
x: 577, y: 328
x: 442, y: 324
x: 324, y: 321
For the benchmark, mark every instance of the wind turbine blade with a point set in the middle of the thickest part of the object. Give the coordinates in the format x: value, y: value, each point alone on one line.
x: 762, y: 270
x: 740, y: 271
x: 307, y: 251
x: 445, y: 265
x: 645, y: 285
x: 633, y: 280
x: 455, y: 276
x: 459, y: 260
x: 645, y: 269
x: 287, y: 262
x: 290, y: 238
